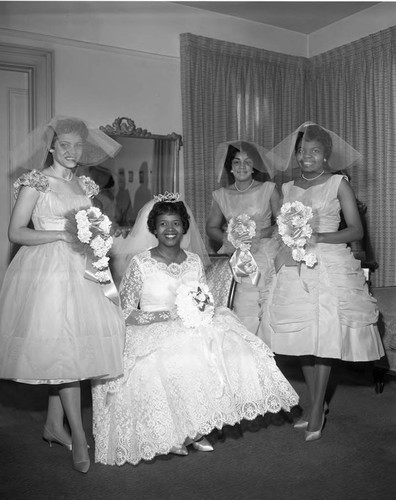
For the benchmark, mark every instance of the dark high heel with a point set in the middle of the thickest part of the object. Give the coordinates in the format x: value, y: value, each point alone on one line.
x: 82, y: 465
x: 51, y: 437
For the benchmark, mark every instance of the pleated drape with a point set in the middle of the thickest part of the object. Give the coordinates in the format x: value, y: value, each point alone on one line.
x: 352, y: 90
x: 232, y: 91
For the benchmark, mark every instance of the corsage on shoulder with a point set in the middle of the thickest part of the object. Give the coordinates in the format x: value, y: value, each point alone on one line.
x: 34, y: 179
x: 194, y: 304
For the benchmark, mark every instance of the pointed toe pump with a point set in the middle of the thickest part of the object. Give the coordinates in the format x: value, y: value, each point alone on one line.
x: 51, y: 437
x: 315, y: 435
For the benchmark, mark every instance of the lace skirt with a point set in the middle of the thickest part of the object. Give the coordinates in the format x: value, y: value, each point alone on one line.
x: 179, y: 382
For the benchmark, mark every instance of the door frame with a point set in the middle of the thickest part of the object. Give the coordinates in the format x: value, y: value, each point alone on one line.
x: 38, y: 65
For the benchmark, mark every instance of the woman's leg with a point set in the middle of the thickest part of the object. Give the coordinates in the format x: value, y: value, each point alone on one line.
x: 70, y: 395
x: 308, y: 369
x: 55, y: 417
x: 321, y: 378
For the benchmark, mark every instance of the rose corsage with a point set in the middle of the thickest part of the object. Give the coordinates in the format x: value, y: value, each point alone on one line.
x: 194, y: 304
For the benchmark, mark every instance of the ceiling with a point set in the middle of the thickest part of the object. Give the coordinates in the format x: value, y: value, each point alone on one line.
x: 303, y: 17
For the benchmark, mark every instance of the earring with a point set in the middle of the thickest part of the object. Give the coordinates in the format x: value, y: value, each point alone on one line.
x: 325, y: 159
x: 51, y: 150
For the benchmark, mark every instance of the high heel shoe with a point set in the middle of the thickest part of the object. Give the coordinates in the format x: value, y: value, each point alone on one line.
x: 51, y: 437
x: 82, y: 465
x: 315, y: 435
x: 202, y: 444
x: 303, y: 424
x: 179, y: 450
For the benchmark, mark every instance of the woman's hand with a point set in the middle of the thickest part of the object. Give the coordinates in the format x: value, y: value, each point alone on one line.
x: 227, y: 246
x: 314, y: 239
x: 66, y: 236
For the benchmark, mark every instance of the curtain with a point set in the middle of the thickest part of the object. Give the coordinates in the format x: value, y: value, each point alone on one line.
x: 164, y: 166
x: 352, y: 91
x: 232, y: 91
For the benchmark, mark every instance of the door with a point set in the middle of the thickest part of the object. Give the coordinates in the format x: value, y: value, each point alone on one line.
x: 14, y: 124
x: 26, y: 83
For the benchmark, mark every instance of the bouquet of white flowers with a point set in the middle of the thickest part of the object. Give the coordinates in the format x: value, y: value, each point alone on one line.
x: 240, y: 230
x: 294, y: 228
x: 194, y: 304
x: 92, y: 228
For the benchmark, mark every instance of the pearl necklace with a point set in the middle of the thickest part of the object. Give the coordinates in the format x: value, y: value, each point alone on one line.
x: 243, y: 190
x: 66, y: 179
x: 312, y: 178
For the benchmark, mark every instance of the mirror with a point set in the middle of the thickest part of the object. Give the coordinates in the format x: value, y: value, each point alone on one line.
x: 146, y: 165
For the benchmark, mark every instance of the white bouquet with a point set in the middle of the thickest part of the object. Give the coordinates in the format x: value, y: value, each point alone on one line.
x: 194, y: 304
x: 93, y: 233
x: 239, y: 229
x: 295, y: 230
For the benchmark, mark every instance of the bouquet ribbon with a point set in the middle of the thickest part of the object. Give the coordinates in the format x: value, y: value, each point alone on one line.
x: 109, y: 289
x: 243, y: 265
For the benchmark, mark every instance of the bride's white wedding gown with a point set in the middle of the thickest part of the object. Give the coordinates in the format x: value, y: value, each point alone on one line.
x: 180, y: 381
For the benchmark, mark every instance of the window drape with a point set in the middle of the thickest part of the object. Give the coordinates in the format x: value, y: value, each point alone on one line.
x: 231, y: 91
x: 164, y: 166
x: 352, y: 91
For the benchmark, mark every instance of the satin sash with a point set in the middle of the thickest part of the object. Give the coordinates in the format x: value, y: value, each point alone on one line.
x: 109, y: 289
x: 243, y: 265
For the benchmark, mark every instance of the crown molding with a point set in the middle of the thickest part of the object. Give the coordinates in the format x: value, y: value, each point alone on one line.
x: 82, y: 44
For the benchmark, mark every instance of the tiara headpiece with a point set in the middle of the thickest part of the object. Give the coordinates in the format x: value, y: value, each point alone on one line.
x: 169, y: 197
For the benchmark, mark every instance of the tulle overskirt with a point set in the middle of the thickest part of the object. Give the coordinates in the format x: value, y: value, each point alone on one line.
x: 56, y: 326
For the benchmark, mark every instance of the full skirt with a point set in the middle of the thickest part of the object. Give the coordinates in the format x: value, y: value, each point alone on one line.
x: 179, y: 382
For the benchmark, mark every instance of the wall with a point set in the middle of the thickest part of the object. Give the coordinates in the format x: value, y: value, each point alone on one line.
x: 364, y: 23
x: 122, y: 58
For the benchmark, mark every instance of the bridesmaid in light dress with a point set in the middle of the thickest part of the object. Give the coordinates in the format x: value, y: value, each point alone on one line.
x: 323, y: 312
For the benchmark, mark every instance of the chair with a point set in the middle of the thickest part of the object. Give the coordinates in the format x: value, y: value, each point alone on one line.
x: 220, y: 280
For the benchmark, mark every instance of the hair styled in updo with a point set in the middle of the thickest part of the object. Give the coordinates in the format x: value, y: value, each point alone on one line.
x: 70, y: 126
x: 168, y: 208
x: 315, y: 133
x: 65, y: 126
x: 252, y: 153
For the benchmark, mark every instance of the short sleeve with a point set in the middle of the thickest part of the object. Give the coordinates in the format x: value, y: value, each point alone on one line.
x: 90, y: 187
x: 33, y: 179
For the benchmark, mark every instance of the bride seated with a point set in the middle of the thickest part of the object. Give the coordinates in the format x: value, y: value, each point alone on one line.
x: 188, y: 368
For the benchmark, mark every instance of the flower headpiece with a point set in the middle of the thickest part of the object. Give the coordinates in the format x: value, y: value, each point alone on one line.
x: 169, y: 197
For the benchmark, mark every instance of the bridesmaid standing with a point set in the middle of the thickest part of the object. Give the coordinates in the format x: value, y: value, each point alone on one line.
x: 56, y: 326
x: 242, y: 162
x: 324, y: 312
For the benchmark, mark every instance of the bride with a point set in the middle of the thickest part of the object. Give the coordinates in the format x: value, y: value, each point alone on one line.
x: 187, y: 368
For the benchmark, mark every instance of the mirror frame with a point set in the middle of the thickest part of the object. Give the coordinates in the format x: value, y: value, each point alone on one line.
x: 125, y: 127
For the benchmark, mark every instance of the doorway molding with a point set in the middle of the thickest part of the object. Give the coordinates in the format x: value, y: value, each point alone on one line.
x: 38, y: 65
